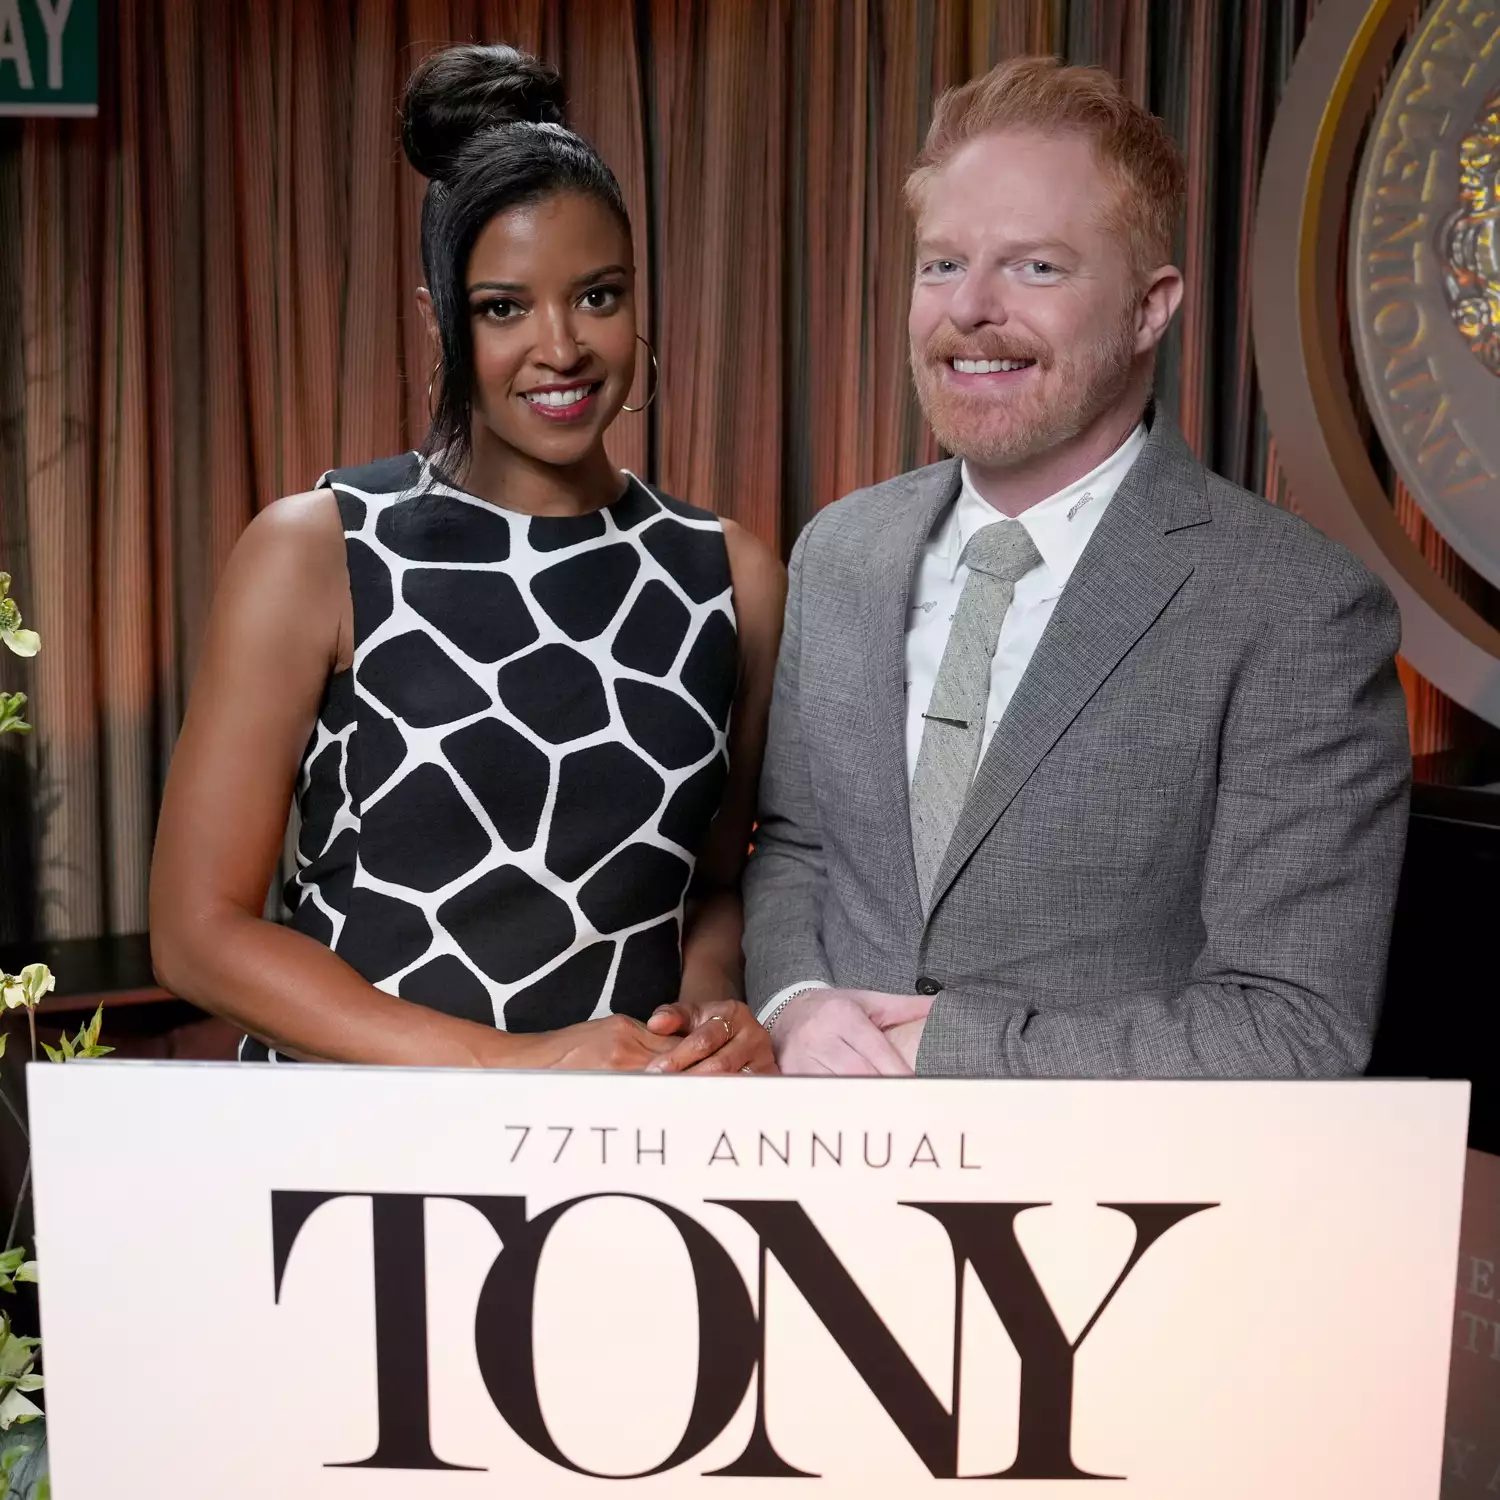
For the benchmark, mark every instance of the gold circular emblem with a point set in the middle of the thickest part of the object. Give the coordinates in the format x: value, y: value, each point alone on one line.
x: 1471, y: 239
x: 1421, y: 281
x: 1424, y: 267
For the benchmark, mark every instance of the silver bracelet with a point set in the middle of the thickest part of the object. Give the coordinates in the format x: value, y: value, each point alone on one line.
x: 771, y: 1019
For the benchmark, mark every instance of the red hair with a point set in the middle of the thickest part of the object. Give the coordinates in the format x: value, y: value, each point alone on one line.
x: 1042, y: 94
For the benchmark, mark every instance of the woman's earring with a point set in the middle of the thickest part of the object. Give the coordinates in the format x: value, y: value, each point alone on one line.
x: 655, y: 379
x: 431, y: 381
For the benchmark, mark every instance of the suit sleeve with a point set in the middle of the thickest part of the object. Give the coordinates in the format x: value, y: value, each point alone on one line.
x: 1298, y: 890
x: 784, y: 881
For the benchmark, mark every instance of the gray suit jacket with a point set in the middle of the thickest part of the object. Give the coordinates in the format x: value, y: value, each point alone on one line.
x: 1180, y: 854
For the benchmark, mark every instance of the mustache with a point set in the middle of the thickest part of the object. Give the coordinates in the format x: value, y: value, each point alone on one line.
x: 948, y: 344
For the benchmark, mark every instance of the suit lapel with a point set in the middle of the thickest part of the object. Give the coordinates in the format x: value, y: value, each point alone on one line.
x: 1126, y: 577
x: 895, y: 556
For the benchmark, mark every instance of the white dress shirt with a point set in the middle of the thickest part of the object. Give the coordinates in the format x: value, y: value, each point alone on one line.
x: 1060, y: 527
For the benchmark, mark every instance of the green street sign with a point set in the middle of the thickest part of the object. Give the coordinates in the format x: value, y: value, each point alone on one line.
x: 49, y: 57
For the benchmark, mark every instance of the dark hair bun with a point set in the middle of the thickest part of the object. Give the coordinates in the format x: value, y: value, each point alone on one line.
x: 458, y: 92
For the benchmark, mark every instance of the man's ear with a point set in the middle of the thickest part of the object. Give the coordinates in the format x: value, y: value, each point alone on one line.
x: 1158, y: 306
x: 429, y: 320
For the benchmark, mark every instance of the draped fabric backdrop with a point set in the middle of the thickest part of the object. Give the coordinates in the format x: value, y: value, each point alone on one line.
x: 213, y: 289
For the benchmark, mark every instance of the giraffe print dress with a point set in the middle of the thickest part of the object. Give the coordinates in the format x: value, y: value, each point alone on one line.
x: 503, y: 799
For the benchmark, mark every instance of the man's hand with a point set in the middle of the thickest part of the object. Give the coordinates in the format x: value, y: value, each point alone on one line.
x: 843, y: 1032
x: 719, y: 1036
x: 906, y: 1039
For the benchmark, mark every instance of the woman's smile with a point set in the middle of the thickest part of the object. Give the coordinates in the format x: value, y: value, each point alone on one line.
x: 565, y: 401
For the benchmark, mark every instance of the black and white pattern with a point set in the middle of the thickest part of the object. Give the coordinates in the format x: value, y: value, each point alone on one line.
x: 503, y: 800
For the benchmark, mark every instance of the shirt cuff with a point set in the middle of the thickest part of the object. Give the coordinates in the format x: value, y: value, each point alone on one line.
x: 780, y: 998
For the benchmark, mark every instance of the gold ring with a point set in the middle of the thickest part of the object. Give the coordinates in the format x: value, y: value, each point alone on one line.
x: 728, y: 1029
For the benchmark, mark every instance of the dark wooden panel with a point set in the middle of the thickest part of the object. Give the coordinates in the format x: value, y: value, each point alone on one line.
x: 1442, y: 1006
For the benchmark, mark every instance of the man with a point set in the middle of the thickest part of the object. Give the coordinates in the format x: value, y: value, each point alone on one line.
x: 1082, y: 761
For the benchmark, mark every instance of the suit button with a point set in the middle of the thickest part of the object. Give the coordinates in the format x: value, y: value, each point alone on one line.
x: 926, y: 986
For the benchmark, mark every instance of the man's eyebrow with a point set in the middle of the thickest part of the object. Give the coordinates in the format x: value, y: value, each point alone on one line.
x: 1023, y: 249
x: 1040, y: 248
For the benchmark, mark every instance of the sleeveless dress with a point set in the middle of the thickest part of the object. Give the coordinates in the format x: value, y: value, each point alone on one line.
x: 504, y: 798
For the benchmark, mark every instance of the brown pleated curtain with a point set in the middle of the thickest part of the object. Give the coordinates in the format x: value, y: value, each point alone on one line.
x: 209, y: 294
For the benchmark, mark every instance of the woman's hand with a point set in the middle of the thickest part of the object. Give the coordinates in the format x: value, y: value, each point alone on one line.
x: 613, y: 1044
x: 719, y: 1036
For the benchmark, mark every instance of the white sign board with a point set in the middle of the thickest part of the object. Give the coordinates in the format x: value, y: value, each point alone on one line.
x: 377, y: 1283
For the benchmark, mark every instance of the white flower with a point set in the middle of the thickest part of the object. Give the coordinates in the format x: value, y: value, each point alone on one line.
x: 17, y: 1356
x: 27, y: 987
x: 16, y: 1407
x: 22, y: 642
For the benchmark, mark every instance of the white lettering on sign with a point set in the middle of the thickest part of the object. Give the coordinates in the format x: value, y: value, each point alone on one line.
x: 13, y: 41
x: 54, y: 15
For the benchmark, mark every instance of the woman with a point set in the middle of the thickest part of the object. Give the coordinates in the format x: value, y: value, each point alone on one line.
x: 500, y: 675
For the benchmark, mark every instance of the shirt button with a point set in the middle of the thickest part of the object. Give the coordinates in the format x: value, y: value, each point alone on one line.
x: 926, y: 986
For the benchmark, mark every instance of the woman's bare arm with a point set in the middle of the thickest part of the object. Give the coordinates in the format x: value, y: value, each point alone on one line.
x: 281, y: 624
x: 712, y: 966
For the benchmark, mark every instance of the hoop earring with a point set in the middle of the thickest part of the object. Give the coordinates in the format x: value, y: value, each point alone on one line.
x: 431, y: 381
x: 655, y: 379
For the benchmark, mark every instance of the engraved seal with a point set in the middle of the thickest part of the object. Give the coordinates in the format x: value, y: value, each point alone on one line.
x: 1419, y: 219
x: 1473, y: 239
x: 1424, y: 276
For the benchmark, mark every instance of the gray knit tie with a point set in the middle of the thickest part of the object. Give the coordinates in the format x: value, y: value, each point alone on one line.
x: 997, y: 556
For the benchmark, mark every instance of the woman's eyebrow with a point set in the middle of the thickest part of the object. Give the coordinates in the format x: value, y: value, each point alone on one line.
x: 520, y: 286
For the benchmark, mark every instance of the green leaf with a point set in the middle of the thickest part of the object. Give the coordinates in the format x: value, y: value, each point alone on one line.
x: 27, y: 1271
x: 4, y: 1038
x: 87, y: 1042
x: 11, y: 721
x: 88, y: 1037
x: 8, y: 1460
x: 52, y: 1053
x: 16, y: 1356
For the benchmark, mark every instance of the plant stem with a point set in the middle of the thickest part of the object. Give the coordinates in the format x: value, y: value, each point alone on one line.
x: 15, y: 1115
x: 31, y: 1022
x: 15, y: 1218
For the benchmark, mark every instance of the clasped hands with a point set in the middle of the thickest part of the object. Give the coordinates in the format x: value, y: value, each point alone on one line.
x: 849, y: 1033
x: 841, y: 1032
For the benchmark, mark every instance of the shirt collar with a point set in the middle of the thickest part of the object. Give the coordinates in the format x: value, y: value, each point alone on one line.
x: 1060, y: 525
